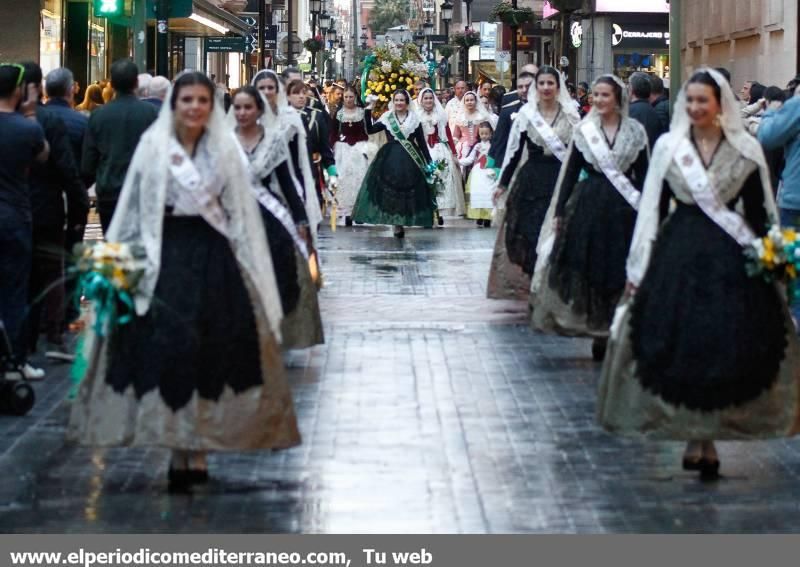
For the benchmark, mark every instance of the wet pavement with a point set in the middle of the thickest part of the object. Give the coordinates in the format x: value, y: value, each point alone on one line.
x: 430, y: 409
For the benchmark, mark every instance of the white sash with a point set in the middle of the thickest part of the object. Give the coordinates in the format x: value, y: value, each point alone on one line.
x: 696, y: 176
x: 274, y: 206
x: 607, y: 164
x: 546, y: 132
x: 186, y: 175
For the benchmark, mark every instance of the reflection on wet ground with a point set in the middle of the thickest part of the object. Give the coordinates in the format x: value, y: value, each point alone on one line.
x: 431, y: 409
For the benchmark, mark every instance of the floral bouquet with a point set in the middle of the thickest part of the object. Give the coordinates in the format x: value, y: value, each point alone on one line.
x: 389, y: 68
x: 108, y: 274
x: 776, y: 257
x: 435, y: 175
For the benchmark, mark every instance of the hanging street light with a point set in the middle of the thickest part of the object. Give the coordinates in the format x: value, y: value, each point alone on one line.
x: 419, y: 39
x: 427, y: 27
x: 447, y: 16
x: 324, y: 20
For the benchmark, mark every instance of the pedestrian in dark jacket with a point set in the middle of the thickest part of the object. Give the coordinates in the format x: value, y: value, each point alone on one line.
x: 53, y: 183
x: 659, y: 101
x: 639, y: 88
x: 113, y: 134
x: 60, y: 86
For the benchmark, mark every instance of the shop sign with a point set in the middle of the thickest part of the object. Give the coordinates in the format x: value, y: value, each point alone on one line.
x: 639, y: 36
x: 225, y: 45
x: 576, y: 34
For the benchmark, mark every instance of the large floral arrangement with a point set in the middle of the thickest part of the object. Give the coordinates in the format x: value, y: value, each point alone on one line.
x: 776, y: 257
x: 389, y: 68
x: 466, y: 39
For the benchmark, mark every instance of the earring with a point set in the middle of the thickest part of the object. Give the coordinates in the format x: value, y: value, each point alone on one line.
x: 718, y: 120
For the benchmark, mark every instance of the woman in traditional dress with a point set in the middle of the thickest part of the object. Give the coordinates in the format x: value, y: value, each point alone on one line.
x: 577, y: 286
x: 199, y: 368
x: 701, y: 351
x: 287, y: 120
x: 284, y: 217
x: 441, y: 147
x: 352, y: 150
x: 543, y: 129
x: 465, y: 133
x: 395, y: 190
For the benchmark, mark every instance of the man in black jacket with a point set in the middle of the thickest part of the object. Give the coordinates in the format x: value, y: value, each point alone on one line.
x: 659, y: 101
x: 52, y: 184
x: 59, y: 86
x: 639, y: 89
x: 508, y: 113
x: 113, y: 134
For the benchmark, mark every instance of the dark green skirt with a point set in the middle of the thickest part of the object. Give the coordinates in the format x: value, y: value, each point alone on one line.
x: 394, y: 191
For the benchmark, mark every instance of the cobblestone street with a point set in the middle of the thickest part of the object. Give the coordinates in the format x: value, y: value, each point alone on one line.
x: 430, y: 409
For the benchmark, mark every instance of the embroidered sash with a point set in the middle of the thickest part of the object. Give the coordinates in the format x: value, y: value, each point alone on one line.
x: 546, y: 132
x: 186, y: 175
x: 696, y: 176
x: 274, y: 206
x: 410, y: 149
x: 609, y: 167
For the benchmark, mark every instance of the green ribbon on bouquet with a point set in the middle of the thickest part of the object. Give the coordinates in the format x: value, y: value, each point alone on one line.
x: 369, y: 62
x: 113, y: 306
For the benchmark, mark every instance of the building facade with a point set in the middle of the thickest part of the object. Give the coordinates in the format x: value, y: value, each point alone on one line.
x: 756, y: 40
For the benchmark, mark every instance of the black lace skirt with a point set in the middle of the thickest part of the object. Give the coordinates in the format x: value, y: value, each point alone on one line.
x: 590, y: 251
x: 394, y: 191
x: 704, y: 334
x: 282, y: 250
x: 199, y: 333
x: 527, y: 206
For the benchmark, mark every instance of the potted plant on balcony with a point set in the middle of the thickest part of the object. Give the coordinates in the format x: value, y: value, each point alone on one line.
x: 466, y: 39
x: 314, y: 44
x: 511, y: 16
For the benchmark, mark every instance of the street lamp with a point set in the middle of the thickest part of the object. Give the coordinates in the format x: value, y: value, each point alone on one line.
x: 324, y: 20
x: 315, y: 6
x: 419, y: 39
x: 331, y: 35
x: 447, y: 15
x: 364, y: 40
x: 427, y: 27
x: 469, y: 18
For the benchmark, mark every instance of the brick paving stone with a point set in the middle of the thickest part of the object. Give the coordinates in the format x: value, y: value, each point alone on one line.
x: 430, y: 409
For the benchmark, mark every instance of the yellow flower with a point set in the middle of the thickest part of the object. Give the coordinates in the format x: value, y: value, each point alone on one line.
x: 394, y: 75
x: 369, y: 91
x: 409, y: 80
x: 789, y: 235
x: 791, y: 271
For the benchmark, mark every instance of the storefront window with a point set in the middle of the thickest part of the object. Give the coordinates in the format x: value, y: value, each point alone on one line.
x: 97, y: 49
x: 629, y: 61
x: 51, y: 36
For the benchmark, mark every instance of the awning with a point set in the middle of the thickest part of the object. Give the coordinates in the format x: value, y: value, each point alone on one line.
x: 207, y: 20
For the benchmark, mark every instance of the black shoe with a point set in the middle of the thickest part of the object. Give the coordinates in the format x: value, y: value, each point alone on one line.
x: 487, y: 224
x: 348, y: 221
x: 441, y: 220
x: 179, y: 480
x: 599, y: 349
x: 399, y: 231
x: 479, y: 222
x: 692, y: 463
x: 709, y: 469
x: 198, y: 476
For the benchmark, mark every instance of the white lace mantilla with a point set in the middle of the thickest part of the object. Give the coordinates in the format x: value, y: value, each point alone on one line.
x: 630, y: 141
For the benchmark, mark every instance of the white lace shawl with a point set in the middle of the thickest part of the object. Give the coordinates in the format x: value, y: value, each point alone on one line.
x: 407, y: 128
x: 436, y: 119
x: 139, y: 216
x: 288, y: 121
x: 747, y: 147
x: 354, y: 115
